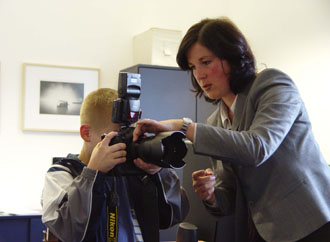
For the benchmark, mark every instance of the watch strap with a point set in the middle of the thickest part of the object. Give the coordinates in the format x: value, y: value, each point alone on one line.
x: 186, y: 123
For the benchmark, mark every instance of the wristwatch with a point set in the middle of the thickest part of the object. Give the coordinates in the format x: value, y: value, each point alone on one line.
x: 186, y: 123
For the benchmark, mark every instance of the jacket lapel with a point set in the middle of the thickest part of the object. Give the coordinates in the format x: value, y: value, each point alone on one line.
x: 238, y: 112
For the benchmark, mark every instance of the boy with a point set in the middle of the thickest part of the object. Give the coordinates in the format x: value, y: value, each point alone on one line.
x: 81, y: 202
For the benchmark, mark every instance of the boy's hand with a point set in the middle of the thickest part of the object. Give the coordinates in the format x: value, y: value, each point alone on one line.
x: 105, y: 157
x: 147, y: 167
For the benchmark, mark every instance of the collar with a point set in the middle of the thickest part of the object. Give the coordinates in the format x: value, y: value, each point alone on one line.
x: 224, y: 113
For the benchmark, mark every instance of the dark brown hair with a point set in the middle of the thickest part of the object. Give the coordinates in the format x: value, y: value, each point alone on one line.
x: 226, y: 42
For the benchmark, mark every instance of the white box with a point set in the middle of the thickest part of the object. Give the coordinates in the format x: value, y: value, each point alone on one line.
x: 156, y: 47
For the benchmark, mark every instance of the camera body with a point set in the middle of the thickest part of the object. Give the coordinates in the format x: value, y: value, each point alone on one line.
x: 165, y: 149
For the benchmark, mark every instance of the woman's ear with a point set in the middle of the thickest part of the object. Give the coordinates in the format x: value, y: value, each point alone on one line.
x: 85, y: 130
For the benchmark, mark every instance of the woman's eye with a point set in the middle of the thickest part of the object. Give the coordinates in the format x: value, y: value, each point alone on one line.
x: 206, y: 62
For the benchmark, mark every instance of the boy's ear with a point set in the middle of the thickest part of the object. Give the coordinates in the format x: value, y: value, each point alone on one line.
x: 85, y: 130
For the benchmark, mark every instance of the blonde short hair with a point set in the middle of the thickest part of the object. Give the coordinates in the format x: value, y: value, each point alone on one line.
x: 96, y: 109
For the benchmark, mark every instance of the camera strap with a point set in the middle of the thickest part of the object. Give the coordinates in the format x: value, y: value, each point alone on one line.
x: 112, y: 215
x: 150, y: 201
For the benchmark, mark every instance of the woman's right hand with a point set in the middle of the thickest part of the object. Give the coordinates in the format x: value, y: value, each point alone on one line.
x: 155, y: 127
x: 203, y: 184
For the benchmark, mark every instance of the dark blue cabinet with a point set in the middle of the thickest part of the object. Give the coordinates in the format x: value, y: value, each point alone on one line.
x: 166, y: 93
x: 14, y: 228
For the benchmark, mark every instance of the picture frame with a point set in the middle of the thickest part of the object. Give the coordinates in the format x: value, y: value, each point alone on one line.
x: 52, y: 96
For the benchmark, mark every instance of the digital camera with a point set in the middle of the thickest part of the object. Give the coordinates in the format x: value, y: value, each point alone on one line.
x: 165, y: 149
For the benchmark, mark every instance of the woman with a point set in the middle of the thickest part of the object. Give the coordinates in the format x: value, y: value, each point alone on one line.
x: 267, y: 167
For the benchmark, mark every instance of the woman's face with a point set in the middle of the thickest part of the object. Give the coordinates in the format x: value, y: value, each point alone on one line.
x: 211, y: 73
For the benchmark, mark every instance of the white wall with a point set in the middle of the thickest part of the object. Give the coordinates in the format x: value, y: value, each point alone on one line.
x: 291, y: 35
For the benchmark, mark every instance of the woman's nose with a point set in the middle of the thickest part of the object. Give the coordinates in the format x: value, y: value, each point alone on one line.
x: 199, y: 74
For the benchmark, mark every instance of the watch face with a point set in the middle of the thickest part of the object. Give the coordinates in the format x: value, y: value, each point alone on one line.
x: 187, y: 121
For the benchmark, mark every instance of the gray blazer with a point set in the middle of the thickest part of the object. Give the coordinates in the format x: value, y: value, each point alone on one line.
x: 272, y: 157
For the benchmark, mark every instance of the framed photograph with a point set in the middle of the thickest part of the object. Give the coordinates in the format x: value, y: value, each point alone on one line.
x: 52, y: 96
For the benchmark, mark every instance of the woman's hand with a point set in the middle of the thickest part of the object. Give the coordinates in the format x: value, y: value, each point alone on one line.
x: 105, y: 157
x: 203, y: 184
x: 155, y: 127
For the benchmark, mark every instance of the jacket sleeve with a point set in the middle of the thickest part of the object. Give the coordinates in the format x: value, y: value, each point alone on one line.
x: 173, y: 201
x: 271, y: 107
x: 67, y: 202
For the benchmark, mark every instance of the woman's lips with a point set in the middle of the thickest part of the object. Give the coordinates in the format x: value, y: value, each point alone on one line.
x: 207, y: 87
